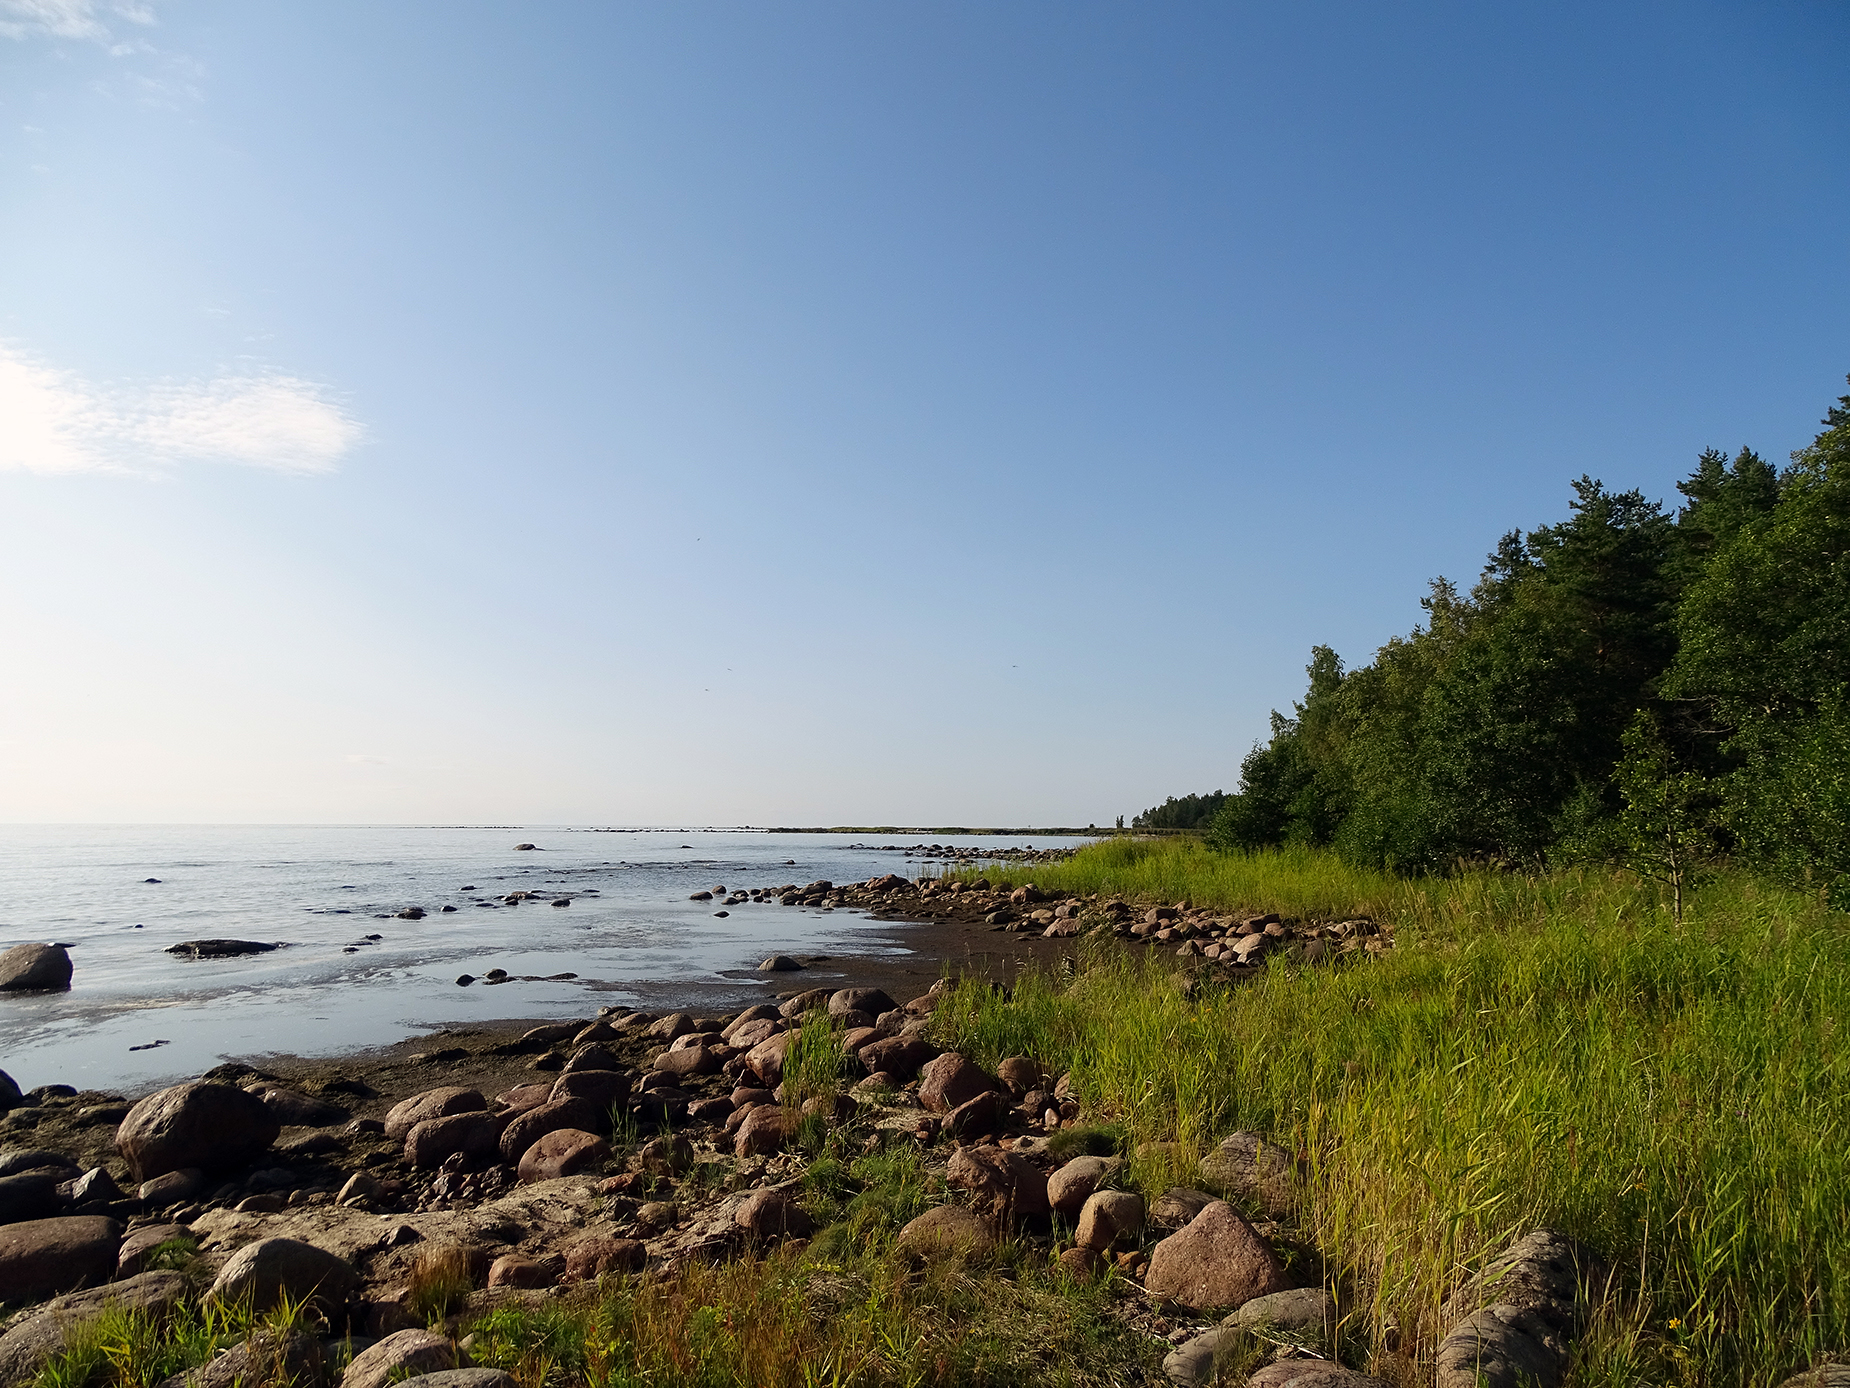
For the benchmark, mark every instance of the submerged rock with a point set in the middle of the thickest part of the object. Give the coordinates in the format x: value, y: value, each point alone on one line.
x: 220, y: 949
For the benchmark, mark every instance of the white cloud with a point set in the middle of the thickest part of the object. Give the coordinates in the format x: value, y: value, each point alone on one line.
x: 66, y: 19
x: 53, y: 421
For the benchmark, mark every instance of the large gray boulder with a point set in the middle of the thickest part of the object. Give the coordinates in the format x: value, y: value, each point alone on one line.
x: 35, y: 969
x: 1504, y: 1346
x: 1518, y: 1315
x: 1311, y: 1373
x: 42, y: 1257
x: 1191, y: 1363
x: 264, y: 1358
x: 1217, y: 1260
x: 1543, y: 1271
x: 1246, y: 1164
x: 265, y: 1272
x: 405, y: 1353
x: 207, y: 1126
x: 1301, y: 1308
x: 9, y: 1092
x: 33, y: 1338
x: 461, y: 1378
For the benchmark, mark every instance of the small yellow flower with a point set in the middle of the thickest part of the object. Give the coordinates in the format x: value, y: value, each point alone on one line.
x: 1675, y: 1323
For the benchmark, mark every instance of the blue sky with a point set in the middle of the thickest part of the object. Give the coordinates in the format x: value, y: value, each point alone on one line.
x: 837, y: 413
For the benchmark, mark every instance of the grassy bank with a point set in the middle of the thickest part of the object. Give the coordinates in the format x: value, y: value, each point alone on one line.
x: 1536, y: 1050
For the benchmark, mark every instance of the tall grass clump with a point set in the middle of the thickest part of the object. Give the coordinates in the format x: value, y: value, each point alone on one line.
x: 1548, y: 1050
x: 798, y: 1321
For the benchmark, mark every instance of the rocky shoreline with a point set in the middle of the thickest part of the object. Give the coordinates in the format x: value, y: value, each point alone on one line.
x: 528, y: 1162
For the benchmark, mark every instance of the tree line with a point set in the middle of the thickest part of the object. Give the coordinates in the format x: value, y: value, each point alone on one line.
x: 1657, y: 688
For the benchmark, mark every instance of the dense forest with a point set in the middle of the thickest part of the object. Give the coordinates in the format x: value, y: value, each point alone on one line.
x: 1182, y: 812
x: 1630, y: 684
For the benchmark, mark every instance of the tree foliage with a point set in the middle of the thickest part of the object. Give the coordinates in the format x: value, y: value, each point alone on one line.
x: 1705, y: 652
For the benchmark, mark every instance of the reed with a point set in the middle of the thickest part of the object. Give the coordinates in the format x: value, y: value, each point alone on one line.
x: 1536, y: 1050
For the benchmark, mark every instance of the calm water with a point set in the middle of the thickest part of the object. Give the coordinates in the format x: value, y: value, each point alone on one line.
x: 630, y: 933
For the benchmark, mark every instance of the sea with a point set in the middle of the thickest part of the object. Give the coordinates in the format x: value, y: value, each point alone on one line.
x: 352, y: 974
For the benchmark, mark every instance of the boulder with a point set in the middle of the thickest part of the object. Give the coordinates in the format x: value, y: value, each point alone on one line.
x: 752, y: 1033
x: 1217, y: 1260
x: 1002, y: 1185
x: 476, y: 1136
x: 9, y: 1092
x: 35, y: 969
x: 949, y: 1081
x: 1110, y: 1219
x: 804, y: 1002
x: 1191, y: 1363
x: 132, y: 1256
x: 220, y: 949
x: 172, y: 1188
x: 779, y: 964
x: 1311, y: 1373
x: 690, y: 1060
x: 562, y: 1152
x: 402, y: 1354
x: 983, y: 1116
x: 432, y: 1103
x: 270, y: 1270
x: 95, y: 1185
x: 1177, y: 1205
x: 593, y: 1257
x: 673, y: 1025
x: 34, y: 1337
x: 513, y: 1270
x: 760, y: 1012
x: 767, y: 1215
x: 1502, y: 1346
x: 1300, y: 1308
x: 1247, y: 1164
x: 607, y: 1089
x: 42, y: 1257
x: 525, y: 1096
x: 30, y: 1195
x: 1019, y: 1075
x: 766, y: 1129
x: 1828, y: 1375
x: 264, y: 1358
x: 872, y: 1001
x: 947, y: 1231
x: 1072, y: 1185
x: 1543, y: 1271
x: 592, y: 1057
x: 667, y: 1155
x: 462, y: 1378
x: 529, y: 1127
x: 15, y: 1160
x: 766, y: 1059
x: 295, y: 1110
x: 900, y: 1056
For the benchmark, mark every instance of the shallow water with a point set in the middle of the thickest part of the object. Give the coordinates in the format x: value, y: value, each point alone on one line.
x: 630, y: 933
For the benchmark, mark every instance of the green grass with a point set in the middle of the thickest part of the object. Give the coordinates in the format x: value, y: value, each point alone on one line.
x: 1535, y: 1050
x: 798, y: 1320
x: 136, y: 1348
